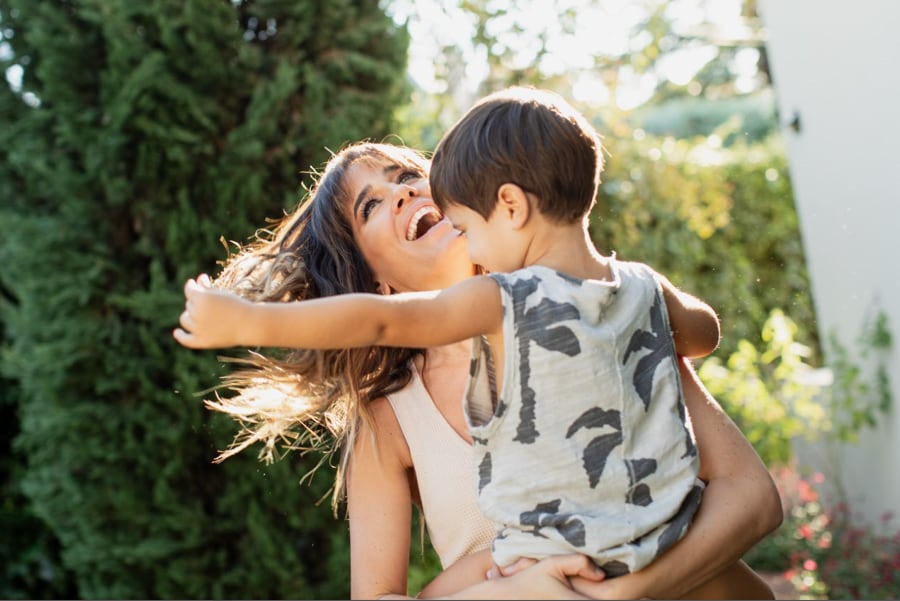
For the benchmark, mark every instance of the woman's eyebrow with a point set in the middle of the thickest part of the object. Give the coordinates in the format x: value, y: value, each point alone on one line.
x: 360, y: 197
x: 365, y: 191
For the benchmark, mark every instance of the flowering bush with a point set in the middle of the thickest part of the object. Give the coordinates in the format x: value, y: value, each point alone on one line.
x: 861, y: 563
x: 826, y: 553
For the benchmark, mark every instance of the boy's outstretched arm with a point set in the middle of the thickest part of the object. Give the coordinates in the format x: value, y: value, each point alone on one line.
x: 695, y: 326
x: 215, y: 318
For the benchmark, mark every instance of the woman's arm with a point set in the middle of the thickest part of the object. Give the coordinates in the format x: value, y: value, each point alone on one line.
x: 740, y: 506
x: 379, y: 507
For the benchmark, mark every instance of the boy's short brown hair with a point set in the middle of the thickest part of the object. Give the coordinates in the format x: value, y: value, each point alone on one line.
x: 528, y: 137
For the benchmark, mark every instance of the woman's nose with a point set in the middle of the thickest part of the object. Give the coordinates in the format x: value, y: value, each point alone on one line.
x: 405, y: 194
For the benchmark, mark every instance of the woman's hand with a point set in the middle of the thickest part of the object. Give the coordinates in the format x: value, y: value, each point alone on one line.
x: 550, y: 578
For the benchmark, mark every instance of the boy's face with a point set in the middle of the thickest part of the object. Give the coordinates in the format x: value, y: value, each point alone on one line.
x: 491, y: 243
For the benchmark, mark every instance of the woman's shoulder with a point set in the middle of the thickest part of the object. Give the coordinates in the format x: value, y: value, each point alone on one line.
x: 386, y: 430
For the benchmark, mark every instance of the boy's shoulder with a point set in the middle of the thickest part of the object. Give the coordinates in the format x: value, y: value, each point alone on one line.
x: 634, y: 268
x: 529, y: 273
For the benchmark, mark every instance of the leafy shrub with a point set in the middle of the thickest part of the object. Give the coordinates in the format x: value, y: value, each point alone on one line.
x: 719, y: 221
x: 775, y: 395
x: 753, y: 115
x: 769, y: 392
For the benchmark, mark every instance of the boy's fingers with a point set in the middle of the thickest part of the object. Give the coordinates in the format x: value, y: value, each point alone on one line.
x: 201, y: 282
x: 189, y: 340
x: 186, y: 321
x: 517, y: 566
x: 182, y: 337
x: 577, y: 565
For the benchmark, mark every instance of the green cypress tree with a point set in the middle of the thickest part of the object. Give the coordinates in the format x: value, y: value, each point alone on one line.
x: 140, y: 133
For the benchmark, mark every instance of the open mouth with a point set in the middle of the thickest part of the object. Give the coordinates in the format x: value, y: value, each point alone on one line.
x: 423, y: 220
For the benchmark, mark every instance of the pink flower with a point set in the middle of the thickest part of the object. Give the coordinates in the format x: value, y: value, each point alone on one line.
x: 804, y: 531
x: 810, y: 565
x: 806, y: 492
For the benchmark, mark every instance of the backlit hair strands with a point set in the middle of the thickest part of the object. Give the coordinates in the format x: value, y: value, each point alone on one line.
x: 303, y: 399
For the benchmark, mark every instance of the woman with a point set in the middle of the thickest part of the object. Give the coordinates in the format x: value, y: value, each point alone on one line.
x: 370, y: 225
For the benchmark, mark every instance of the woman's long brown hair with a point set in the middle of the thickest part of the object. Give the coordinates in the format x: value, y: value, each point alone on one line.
x: 304, y: 399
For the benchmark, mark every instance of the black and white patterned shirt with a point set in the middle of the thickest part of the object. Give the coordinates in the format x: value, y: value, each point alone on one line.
x: 586, y: 449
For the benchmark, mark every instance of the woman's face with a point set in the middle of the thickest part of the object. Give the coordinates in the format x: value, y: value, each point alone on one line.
x: 405, y: 239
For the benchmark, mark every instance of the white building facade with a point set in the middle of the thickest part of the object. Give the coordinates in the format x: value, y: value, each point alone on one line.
x: 836, y: 73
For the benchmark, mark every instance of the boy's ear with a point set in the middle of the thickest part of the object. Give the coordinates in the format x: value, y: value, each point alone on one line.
x: 515, y: 204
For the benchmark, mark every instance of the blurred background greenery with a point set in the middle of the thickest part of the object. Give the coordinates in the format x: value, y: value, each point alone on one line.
x: 133, y: 135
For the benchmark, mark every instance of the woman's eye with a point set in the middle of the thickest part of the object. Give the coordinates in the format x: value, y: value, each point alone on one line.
x: 408, y: 175
x: 367, y: 208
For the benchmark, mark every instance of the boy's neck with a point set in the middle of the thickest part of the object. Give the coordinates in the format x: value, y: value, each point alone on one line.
x: 569, y: 250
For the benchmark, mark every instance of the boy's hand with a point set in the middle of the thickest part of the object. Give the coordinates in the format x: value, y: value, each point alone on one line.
x: 212, y: 318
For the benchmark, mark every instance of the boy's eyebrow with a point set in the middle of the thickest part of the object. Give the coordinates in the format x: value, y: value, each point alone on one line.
x: 365, y: 191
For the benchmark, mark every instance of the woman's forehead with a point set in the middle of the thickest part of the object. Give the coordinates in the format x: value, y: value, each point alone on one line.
x: 375, y: 168
x: 364, y: 172
x: 393, y: 156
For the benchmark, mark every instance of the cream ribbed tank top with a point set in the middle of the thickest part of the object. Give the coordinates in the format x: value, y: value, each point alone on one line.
x: 444, y: 472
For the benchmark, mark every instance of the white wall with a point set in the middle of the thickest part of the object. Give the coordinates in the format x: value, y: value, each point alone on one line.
x: 837, y: 64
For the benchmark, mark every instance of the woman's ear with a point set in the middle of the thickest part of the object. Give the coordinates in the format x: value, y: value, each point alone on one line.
x: 515, y: 204
x: 383, y: 288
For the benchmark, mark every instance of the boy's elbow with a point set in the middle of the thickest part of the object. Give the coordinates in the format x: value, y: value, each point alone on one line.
x: 708, y: 338
x: 701, y: 344
x: 713, y: 336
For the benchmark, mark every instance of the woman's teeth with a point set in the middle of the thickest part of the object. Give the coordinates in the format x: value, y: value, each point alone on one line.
x: 412, y: 231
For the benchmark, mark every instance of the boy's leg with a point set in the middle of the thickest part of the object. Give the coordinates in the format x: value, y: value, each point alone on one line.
x: 736, y: 582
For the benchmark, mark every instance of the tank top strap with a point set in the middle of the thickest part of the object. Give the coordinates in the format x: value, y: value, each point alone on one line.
x: 444, y: 472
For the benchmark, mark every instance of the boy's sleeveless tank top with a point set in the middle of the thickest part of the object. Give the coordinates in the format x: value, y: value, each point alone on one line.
x: 442, y: 460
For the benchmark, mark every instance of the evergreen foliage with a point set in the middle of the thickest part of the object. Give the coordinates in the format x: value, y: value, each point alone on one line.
x: 141, y: 132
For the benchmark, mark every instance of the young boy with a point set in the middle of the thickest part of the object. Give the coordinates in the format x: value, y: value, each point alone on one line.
x: 574, y: 399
